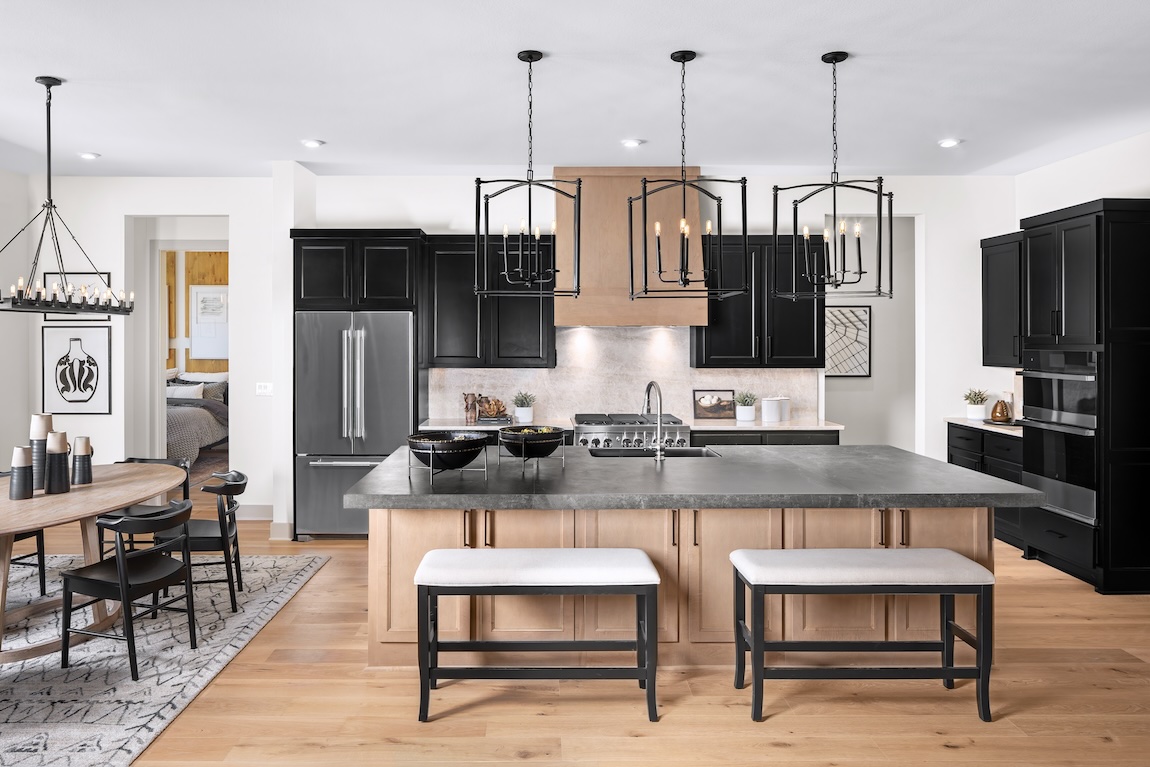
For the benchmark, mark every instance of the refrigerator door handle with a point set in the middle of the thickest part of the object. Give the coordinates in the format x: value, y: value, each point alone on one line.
x: 360, y: 400
x: 345, y: 420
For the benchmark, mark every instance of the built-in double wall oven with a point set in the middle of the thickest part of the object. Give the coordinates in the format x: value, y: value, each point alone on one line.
x: 1060, y: 416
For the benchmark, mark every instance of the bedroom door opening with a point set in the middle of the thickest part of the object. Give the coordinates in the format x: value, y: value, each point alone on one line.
x: 196, y: 381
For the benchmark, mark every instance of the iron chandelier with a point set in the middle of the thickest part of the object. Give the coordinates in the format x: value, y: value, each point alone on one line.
x: 528, y: 262
x: 709, y: 282
x: 827, y: 265
x: 62, y: 296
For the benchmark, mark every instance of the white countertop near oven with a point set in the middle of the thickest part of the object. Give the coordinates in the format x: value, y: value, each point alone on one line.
x: 1012, y: 431
x: 730, y: 424
x: 450, y: 424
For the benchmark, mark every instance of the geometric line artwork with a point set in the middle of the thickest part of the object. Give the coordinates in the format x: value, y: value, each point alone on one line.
x: 848, y: 332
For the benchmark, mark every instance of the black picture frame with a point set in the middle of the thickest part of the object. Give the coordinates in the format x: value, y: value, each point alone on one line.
x: 723, y: 408
x: 78, y: 278
x: 58, y: 388
x: 849, y: 331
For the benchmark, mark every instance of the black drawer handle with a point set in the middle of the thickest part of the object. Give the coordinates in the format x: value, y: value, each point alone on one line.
x: 1056, y: 534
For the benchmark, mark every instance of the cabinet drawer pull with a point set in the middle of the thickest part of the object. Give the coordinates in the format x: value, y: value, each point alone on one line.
x: 1056, y: 534
x: 674, y: 527
x: 466, y: 529
x: 902, y: 527
x: 882, y: 528
x: 695, y: 525
x: 487, y: 527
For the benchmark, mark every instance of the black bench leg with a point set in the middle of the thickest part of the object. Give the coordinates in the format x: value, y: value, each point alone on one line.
x: 758, y: 626
x: 640, y: 640
x: 651, y: 639
x: 740, y: 641
x: 946, y: 608
x: 985, y: 630
x: 423, y: 634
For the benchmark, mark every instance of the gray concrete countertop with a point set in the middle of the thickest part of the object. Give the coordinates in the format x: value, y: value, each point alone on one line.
x: 788, y: 476
x: 998, y: 428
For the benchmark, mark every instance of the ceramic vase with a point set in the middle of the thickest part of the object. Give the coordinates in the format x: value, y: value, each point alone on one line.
x: 524, y: 414
x: 744, y: 412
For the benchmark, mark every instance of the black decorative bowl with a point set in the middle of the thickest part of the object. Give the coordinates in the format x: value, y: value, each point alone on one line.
x: 531, y: 441
x: 447, y: 449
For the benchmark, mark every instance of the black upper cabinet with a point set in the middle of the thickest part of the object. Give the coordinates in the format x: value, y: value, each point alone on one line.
x: 1001, y: 301
x: 356, y: 269
x: 1060, y: 281
x: 464, y: 330
x: 757, y: 330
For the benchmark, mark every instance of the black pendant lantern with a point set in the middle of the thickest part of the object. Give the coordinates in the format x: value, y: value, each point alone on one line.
x: 62, y: 296
x: 524, y: 262
x: 828, y: 265
x: 711, y: 281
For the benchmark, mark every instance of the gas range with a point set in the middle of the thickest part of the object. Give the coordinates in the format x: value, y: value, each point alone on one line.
x: 627, y: 430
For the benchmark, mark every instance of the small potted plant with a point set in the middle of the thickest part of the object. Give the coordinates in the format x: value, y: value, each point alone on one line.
x: 975, y: 404
x: 745, y: 406
x: 524, y: 407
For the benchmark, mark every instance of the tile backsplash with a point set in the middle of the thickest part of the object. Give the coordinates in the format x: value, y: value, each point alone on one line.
x: 606, y: 369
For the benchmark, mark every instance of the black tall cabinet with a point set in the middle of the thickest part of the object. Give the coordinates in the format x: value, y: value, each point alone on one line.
x: 1083, y: 288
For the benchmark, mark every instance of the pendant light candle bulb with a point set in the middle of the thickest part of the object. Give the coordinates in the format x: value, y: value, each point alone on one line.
x: 708, y: 226
x: 858, y: 230
x: 806, y: 232
x: 523, y: 226
x: 552, y: 227
x: 682, y: 226
x: 20, y: 283
x: 537, y: 234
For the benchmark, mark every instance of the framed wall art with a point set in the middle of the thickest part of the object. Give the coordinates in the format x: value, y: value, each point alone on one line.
x: 714, y: 403
x: 848, y: 334
x: 96, y: 285
x: 77, y: 369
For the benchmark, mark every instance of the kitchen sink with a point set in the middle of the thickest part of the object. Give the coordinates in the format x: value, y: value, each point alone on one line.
x: 649, y: 452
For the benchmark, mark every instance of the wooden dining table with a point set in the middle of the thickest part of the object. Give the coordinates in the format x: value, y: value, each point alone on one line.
x: 113, y: 487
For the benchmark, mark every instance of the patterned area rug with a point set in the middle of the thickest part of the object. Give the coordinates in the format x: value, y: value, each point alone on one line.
x: 93, y: 713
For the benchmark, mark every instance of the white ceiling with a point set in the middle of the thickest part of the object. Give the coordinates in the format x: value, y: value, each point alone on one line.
x: 224, y: 87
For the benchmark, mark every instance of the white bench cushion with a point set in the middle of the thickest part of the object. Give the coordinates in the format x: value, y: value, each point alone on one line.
x: 536, y: 567
x: 859, y: 567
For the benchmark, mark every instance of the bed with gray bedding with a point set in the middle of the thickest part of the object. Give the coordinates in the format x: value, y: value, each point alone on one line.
x: 194, y: 424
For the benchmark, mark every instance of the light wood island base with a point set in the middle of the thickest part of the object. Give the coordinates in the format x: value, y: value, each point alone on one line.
x: 690, y: 547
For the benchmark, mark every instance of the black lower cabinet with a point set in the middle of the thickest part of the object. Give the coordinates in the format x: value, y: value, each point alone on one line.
x: 1060, y: 542
x: 464, y: 330
x: 766, y: 437
x: 999, y: 455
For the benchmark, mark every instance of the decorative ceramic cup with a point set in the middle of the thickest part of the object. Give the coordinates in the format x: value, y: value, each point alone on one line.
x: 38, y: 438
x: 56, y: 466
x: 58, y: 442
x: 82, y: 469
x: 82, y: 446
x: 20, y: 483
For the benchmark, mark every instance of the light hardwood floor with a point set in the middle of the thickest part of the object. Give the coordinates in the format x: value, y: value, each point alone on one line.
x: 1071, y: 686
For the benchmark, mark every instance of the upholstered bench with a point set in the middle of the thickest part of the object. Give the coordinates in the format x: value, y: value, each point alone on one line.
x: 862, y: 571
x: 537, y: 571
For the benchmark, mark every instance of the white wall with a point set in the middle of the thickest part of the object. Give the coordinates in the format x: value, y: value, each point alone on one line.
x: 880, y: 408
x: 16, y: 330
x: 1121, y: 169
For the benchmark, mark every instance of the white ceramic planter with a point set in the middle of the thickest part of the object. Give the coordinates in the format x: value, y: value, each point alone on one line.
x: 744, y: 412
x: 976, y: 412
x: 524, y: 414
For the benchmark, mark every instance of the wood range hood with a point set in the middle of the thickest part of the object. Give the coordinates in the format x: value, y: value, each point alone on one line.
x: 604, y: 297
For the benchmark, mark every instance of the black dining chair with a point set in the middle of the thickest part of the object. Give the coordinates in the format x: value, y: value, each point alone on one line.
x: 131, y: 574
x: 220, y: 534
x: 143, y: 509
x: 32, y: 558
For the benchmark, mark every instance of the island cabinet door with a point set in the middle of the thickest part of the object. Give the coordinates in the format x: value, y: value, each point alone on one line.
x: 652, y: 530
x: 831, y: 617
x: 965, y: 530
x: 526, y: 617
x: 397, y: 541
x: 708, y: 537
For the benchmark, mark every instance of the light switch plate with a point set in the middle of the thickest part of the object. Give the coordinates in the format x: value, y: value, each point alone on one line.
x: 263, y: 390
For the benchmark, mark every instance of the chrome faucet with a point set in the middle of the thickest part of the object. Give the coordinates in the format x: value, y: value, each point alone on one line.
x: 659, y: 454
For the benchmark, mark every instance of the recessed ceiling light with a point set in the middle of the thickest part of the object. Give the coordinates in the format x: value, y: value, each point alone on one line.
x: 631, y: 143
x: 312, y: 143
x: 947, y: 143
x: 89, y: 155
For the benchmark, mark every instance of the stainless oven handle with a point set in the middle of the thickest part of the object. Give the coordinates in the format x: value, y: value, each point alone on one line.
x: 1056, y: 376
x: 1058, y: 427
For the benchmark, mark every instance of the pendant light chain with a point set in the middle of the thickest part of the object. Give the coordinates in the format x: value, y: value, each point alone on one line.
x: 683, y: 122
x: 835, y: 121
x: 530, y: 121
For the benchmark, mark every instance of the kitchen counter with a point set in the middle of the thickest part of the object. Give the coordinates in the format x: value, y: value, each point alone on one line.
x: 730, y: 424
x: 825, y: 476
x: 998, y: 428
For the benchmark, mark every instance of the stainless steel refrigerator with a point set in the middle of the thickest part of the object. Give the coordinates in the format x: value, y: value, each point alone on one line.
x: 357, y: 397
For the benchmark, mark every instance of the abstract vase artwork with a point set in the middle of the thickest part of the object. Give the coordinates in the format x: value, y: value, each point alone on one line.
x: 77, y: 374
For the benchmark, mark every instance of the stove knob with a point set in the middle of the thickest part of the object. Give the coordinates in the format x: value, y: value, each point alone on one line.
x: 626, y: 442
x: 607, y: 442
x: 669, y: 442
x: 595, y: 442
x: 680, y: 442
x: 583, y: 441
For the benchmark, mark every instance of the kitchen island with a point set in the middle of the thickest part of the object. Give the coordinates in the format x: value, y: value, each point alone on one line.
x: 688, y: 514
